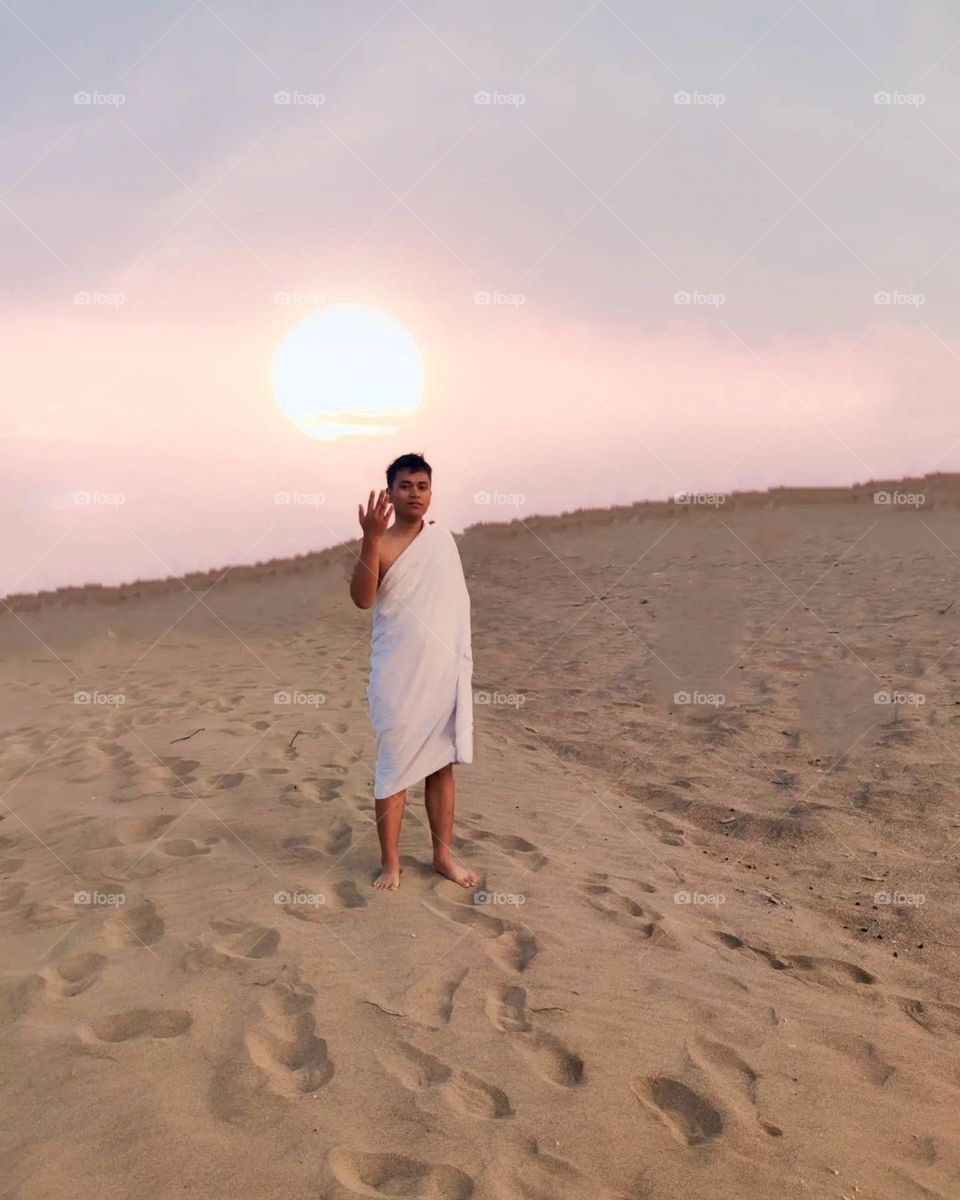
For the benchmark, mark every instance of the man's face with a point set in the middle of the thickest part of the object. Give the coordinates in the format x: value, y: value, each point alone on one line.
x: 410, y: 494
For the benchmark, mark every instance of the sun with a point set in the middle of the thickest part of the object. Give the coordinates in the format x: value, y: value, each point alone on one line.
x: 347, y: 369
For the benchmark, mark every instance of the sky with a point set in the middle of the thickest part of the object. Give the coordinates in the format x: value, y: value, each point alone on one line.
x: 720, y: 243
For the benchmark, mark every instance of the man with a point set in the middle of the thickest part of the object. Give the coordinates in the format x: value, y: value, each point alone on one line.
x: 421, y: 662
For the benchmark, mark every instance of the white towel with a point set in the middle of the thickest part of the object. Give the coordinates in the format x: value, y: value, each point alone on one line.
x: 421, y: 663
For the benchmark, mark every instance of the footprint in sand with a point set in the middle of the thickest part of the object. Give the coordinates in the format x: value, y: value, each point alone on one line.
x: 225, y: 783
x: 689, y: 1117
x: 182, y: 848
x: 536, y: 1175
x: 17, y: 996
x: 304, y: 902
x: 506, y: 1009
x: 735, y: 1080
x: 138, y: 926
x: 828, y: 972
x: 140, y: 1023
x: 628, y: 914
x: 144, y: 829
x: 508, y: 944
x: 517, y: 848
x: 419, y: 1071
x: 395, y: 1175
x: 550, y: 1058
x: 515, y: 949
x: 182, y: 770
x: 48, y: 916
x: 11, y: 894
x: 414, y: 1068
x: 285, y: 1046
x: 237, y: 939
x: 430, y: 1002
x: 74, y: 974
x: 934, y: 1017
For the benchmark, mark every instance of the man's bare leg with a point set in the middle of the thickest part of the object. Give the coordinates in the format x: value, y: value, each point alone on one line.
x: 439, y: 797
x: 389, y: 819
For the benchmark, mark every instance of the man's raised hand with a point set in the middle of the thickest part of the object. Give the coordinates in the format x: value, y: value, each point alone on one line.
x: 375, y: 520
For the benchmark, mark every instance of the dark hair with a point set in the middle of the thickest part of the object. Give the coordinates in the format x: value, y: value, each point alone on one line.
x: 408, y: 462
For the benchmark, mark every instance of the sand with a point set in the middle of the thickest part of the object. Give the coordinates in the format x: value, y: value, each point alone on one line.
x: 718, y: 953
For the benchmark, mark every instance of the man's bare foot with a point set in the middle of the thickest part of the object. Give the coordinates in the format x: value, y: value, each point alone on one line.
x: 453, y: 870
x: 389, y: 878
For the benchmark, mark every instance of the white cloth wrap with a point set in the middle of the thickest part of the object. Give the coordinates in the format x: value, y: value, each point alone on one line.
x: 421, y: 664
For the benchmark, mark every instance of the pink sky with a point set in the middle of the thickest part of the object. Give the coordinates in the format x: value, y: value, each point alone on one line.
x: 199, y: 198
x: 180, y: 422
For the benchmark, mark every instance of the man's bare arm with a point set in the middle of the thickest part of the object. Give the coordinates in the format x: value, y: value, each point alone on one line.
x: 366, y: 571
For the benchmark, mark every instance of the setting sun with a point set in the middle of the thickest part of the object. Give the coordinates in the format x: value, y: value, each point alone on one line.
x: 348, y: 369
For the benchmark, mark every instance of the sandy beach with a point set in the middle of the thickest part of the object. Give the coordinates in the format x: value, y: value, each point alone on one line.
x: 713, y: 811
